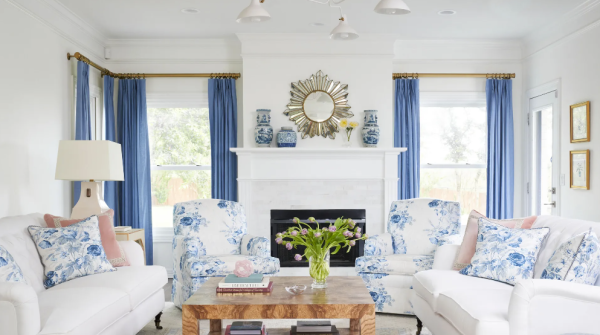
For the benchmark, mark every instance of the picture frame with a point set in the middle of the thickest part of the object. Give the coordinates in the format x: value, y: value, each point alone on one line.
x: 580, y: 169
x: 580, y: 122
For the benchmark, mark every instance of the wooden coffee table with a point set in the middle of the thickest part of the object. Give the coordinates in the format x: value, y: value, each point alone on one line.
x: 344, y: 298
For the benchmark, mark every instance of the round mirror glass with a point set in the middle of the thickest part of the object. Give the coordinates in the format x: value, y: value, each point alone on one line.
x: 318, y: 106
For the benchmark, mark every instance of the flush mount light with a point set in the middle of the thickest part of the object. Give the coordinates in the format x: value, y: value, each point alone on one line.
x: 447, y: 12
x: 190, y: 11
x: 254, y: 13
x: 392, y: 7
x: 343, y: 31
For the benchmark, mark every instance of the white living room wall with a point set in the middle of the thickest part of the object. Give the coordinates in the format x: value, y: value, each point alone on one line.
x: 458, y: 56
x: 574, y: 61
x: 35, y: 113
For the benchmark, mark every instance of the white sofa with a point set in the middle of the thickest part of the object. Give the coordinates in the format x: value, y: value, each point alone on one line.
x: 449, y: 303
x: 120, y: 302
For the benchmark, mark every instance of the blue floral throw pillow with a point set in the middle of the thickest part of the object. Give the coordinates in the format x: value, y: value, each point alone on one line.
x: 9, y: 270
x: 505, y: 254
x: 577, y: 260
x: 70, y: 252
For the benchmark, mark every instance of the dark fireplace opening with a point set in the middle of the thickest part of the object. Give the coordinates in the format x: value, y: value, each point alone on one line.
x: 282, y: 219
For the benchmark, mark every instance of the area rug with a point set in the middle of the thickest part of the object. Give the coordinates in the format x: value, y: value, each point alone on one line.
x: 386, y: 324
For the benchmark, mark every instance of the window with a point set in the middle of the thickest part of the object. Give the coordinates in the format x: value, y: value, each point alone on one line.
x: 453, y: 155
x: 180, y: 159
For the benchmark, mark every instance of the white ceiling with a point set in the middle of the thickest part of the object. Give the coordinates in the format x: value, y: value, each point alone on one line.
x: 475, y: 19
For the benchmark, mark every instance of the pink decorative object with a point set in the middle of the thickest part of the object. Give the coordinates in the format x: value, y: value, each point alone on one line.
x: 243, y: 268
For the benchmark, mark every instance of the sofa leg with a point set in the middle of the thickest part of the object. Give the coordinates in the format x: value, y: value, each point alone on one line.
x: 419, y: 326
x: 157, y: 321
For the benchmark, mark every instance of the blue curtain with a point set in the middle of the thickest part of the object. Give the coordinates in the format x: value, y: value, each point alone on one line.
x: 134, y: 193
x: 110, y: 187
x: 222, y: 104
x: 407, y: 134
x: 83, y: 129
x: 500, y: 161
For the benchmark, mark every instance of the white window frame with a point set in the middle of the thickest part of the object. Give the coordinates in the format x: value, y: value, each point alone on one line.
x: 452, y: 99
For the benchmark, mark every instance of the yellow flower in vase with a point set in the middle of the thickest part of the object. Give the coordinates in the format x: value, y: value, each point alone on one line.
x: 343, y: 123
x: 353, y: 124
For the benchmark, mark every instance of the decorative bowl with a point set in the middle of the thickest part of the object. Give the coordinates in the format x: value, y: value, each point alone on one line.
x: 296, y: 289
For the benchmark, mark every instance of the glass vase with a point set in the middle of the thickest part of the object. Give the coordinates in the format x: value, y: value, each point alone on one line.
x: 319, y: 269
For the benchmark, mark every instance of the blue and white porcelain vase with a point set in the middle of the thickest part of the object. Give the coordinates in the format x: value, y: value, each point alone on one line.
x: 370, y: 131
x: 287, y: 138
x: 263, y: 132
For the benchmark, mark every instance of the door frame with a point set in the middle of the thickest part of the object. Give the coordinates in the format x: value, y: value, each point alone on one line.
x: 554, y: 85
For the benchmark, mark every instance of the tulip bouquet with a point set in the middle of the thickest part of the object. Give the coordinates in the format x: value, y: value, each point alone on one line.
x: 343, y: 233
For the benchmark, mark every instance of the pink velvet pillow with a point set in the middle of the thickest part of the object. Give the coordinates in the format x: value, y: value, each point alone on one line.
x: 114, y: 253
x: 467, y: 248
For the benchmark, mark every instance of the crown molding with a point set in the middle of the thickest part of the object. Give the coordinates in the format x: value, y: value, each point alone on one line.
x: 64, y: 23
x: 580, y: 20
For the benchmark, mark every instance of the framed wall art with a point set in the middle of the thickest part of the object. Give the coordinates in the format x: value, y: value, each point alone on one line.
x: 580, y: 122
x: 580, y: 169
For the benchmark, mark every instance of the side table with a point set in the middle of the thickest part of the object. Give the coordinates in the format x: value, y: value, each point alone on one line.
x: 135, y: 235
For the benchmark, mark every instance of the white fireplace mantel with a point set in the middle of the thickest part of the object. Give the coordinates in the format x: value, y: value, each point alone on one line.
x: 316, y: 178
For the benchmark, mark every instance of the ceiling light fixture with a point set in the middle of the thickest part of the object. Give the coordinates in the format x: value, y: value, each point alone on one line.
x: 254, y: 13
x: 190, y: 11
x: 392, y: 7
x: 343, y: 31
x: 447, y: 12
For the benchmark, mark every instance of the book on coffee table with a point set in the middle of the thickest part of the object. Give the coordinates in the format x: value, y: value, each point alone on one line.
x: 267, y: 289
x: 262, y: 284
x: 333, y: 331
x: 313, y: 326
x: 246, y: 328
x: 253, y: 278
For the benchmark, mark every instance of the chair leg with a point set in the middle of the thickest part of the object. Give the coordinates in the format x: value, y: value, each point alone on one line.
x: 157, y: 321
x: 419, y: 326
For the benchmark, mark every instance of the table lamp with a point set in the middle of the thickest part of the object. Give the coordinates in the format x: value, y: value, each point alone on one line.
x: 90, y: 162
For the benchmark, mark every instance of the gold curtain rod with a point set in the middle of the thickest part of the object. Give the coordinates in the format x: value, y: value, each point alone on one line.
x: 106, y: 72
x: 454, y: 75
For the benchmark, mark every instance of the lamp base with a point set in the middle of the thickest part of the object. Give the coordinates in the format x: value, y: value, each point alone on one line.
x: 90, y: 201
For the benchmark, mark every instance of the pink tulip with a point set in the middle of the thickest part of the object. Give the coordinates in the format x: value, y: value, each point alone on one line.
x: 304, y: 231
x: 294, y: 233
x: 324, y: 228
x: 288, y: 246
x: 296, y: 220
x: 332, y: 228
x: 358, y: 229
x: 311, y: 219
x: 298, y: 257
x: 278, y: 240
x: 358, y: 235
x: 352, y: 243
x: 317, y: 234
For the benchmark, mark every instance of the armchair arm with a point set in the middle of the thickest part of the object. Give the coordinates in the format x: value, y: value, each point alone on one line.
x: 379, y: 245
x: 256, y: 246
x: 444, y: 256
x: 543, y: 306
x: 133, y: 253
x: 19, y: 309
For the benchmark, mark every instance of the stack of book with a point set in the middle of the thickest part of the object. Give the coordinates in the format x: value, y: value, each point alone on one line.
x: 246, y: 328
x: 316, y: 327
x: 256, y: 283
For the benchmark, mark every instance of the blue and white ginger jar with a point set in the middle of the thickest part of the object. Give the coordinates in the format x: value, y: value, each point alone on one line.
x: 370, y: 131
x: 263, y: 132
x: 287, y: 138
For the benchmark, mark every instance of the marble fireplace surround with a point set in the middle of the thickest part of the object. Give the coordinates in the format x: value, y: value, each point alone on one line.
x: 316, y: 178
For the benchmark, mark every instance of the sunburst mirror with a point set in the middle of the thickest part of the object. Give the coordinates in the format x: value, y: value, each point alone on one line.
x: 317, y: 105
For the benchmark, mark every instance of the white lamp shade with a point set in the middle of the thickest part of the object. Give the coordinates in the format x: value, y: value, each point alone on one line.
x: 253, y: 13
x: 343, y: 31
x: 392, y: 7
x: 89, y: 160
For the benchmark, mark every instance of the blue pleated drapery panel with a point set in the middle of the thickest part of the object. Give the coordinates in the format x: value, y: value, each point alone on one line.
x: 222, y: 104
x: 83, y: 128
x: 407, y: 134
x: 500, y: 160
x: 134, y: 193
x: 110, y: 187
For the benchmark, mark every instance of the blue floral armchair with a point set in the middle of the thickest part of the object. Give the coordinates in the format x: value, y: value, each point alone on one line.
x: 210, y: 237
x: 415, y: 229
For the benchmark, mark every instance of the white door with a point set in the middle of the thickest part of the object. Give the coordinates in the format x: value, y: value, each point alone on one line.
x: 544, y: 158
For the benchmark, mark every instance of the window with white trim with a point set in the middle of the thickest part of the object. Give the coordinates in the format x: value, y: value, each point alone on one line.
x: 180, y: 159
x: 454, y: 153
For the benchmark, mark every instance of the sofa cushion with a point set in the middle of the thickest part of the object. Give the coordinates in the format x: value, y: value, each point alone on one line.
x: 81, y: 310
x: 476, y: 311
x: 398, y: 264
x: 222, y: 265
x: 137, y: 282
x: 577, y: 260
x: 71, y: 252
x: 505, y: 254
x: 430, y: 284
